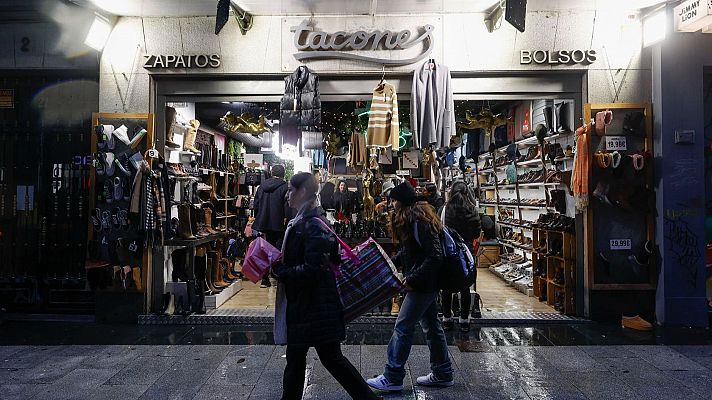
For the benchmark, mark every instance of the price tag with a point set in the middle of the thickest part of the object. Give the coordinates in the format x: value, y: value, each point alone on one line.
x: 403, y: 172
x: 222, y: 174
x: 153, y: 153
x: 620, y: 244
x: 616, y: 143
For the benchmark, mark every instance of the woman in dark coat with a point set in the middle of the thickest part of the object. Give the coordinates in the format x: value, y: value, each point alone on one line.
x: 314, y: 315
x: 461, y: 215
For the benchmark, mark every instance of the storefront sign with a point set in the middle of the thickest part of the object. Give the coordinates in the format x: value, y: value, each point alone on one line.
x: 173, y: 61
x: 616, y: 143
x: 314, y: 45
x: 620, y: 244
x: 557, y: 57
x: 7, y: 98
x: 693, y: 15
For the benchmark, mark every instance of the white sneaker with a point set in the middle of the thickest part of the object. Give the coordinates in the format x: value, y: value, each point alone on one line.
x: 431, y: 380
x: 381, y: 383
x: 122, y: 133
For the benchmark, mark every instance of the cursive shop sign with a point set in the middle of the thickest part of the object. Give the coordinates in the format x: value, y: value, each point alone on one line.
x: 314, y: 45
x: 557, y: 57
x: 184, y: 61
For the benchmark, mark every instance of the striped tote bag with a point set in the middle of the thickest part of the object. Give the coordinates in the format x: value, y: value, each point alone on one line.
x: 366, y: 277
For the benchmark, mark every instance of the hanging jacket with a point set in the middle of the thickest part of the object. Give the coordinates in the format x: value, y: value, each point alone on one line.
x: 271, y: 206
x: 300, y: 108
x: 314, y: 310
x: 432, y: 109
x: 383, y: 125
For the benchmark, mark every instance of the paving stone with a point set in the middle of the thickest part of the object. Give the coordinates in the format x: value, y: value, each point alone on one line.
x: 568, y: 358
x: 598, y: 384
x: 703, y: 361
x: 178, y: 383
x: 238, y: 371
x: 654, y: 392
x: 142, y: 371
x: 218, y: 392
x: 554, y: 392
x: 7, y: 351
x: 75, y: 384
x: 50, y: 370
x: 693, y: 351
x: 114, y: 356
x: 257, y: 351
x: 665, y: 358
x: 19, y: 391
x: 512, y: 392
x: 163, y: 350
x: 699, y: 382
x: 607, y: 351
x: 28, y: 356
x: 523, y: 359
x: 202, y: 357
x: 115, y: 392
x: 636, y: 372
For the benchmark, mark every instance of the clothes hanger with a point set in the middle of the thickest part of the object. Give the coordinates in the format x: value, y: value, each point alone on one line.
x: 383, y: 75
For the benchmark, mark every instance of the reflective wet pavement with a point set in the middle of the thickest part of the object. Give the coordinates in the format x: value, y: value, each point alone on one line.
x: 591, y: 361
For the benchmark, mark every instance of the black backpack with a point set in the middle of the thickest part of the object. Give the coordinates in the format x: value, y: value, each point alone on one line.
x: 458, y: 271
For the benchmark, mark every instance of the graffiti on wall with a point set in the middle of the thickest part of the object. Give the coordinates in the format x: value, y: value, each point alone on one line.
x: 683, y: 243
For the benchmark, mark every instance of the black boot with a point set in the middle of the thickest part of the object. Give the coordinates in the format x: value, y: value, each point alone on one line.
x: 562, y: 117
x: 476, y: 311
x: 180, y: 272
x: 200, y: 286
x: 184, y: 225
x: 548, y: 118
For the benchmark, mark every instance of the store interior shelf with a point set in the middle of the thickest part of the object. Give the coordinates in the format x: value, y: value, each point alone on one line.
x: 193, y: 242
x: 526, y: 185
x: 215, y: 301
x: 226, y: 216
x: 529, y: 141
x: 514, y: 246
x: 206, y: 171
x: 181, y: 177
x: 226, y: 198
x: 515, y: 225
x: 527, y: 206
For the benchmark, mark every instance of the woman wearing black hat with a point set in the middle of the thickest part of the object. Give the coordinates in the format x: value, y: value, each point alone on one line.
x: 418, y: 229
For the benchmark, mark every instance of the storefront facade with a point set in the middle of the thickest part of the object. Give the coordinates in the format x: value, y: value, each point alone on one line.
x: 606, y: 64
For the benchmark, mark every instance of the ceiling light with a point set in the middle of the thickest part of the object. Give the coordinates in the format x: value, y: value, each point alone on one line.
x: 98, y: 33
x: 654, y: 27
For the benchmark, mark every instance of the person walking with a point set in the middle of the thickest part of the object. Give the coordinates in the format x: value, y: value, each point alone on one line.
x: 271, y: 210
x: 460, y: 214
x: 433, y: 197
x: 314, y: 313
x: 419, y: 230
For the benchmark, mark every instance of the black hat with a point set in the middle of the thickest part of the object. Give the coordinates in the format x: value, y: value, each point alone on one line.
x: 403, y: 193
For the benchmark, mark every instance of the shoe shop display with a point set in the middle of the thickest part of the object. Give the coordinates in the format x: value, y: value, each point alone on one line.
x: 636, y: 323
x: 170, y: 122
x: 122, y: 133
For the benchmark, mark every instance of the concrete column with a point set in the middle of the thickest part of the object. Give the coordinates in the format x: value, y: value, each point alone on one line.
x: 678, y: 64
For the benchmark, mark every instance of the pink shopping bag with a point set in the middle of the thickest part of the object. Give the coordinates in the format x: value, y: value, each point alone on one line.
x: 258, y: 259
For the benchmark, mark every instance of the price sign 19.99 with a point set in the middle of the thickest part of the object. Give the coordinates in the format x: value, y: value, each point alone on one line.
x: 616, y: 143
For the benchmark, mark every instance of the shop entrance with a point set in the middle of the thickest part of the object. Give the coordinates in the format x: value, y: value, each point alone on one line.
x: 527, y: 249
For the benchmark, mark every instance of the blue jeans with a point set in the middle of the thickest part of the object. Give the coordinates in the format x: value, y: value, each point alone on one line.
x: 423, y: 308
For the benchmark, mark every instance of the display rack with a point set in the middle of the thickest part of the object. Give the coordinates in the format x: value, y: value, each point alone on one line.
x: 147, y: 121
x: 602, y: 221
x: 558, y: 286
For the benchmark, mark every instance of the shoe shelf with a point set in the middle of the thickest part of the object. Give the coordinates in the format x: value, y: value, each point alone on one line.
x: 226, y: 198
x: 514, y: 246
x: 525, y: 185
x: 216, y: 300
x: 194, y: 242
x: 515, y: 225
x: 528, y: 142
x: 555, y: 253
x: 206, y: 171
x: 226, y: 216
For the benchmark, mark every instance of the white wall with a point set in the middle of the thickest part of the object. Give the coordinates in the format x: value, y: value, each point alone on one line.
x: 621, y: 73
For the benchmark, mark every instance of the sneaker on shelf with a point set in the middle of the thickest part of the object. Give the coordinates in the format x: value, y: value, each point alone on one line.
x: 103, y: 132
x: 110, y: 166
x: 381, y: 383
x: 122, y: 162
x: 122, y: 133
x: 431, y: 380
x: 637, y: 323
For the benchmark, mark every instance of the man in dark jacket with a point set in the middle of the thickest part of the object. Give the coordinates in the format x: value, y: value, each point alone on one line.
x: 433, y: 197
x: 271, y: 210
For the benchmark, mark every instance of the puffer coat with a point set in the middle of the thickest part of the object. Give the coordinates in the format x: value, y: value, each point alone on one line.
x: 421, y: 260
x: 300, y: 108
x: 314, y: 310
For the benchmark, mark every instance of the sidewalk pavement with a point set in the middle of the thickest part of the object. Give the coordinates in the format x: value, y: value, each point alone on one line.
x: 483, y: 371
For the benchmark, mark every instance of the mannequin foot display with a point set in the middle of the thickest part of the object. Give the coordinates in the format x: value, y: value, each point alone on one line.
x: 636, y: 323
x: 189, y: 143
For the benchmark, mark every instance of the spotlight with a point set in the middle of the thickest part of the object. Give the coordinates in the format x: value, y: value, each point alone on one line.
x: 98, y: 33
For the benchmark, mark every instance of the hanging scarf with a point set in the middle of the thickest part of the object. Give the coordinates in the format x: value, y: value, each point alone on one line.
x: 582, y: 165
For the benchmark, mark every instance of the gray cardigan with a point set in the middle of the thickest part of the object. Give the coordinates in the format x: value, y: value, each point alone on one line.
x: 432, y: 109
